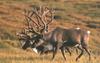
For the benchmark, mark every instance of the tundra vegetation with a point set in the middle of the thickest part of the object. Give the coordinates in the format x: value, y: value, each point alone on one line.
x: 75, y: 13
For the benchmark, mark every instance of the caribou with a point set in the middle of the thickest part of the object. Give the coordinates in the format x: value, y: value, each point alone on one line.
x: 58, y: 38
x: 62, y: 39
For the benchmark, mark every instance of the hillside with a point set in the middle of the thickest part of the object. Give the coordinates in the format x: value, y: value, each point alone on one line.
x: 68, y: 14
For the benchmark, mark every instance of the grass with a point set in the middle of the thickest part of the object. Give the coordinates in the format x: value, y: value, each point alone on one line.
x: 19, y: 56
x: 11, y: 54
x: 68, y: 14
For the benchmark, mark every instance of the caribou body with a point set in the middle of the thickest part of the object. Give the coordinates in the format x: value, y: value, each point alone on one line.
x: 62, y: 39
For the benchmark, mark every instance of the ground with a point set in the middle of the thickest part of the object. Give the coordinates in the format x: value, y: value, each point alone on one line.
x: 68, y: 14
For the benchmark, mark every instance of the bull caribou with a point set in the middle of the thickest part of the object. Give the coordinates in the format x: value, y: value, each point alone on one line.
x: 59, y: 38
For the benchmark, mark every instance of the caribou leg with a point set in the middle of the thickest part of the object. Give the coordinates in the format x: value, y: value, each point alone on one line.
x: 55, y: 45
x: 62, y: 51
x: 87, y: 52
x: 69, y: 51
x: 80, y: 53
x: 76, y: 51
x: 54, y: 52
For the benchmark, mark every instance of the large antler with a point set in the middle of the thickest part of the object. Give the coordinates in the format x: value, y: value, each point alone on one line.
x: 44, y: 17
x: 48, y: 15
x: 39, y: 18
x: 31, y: 24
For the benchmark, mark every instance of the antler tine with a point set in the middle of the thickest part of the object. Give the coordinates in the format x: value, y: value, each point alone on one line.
x: 44, y: 18
x: 44, y: 13
x: 34, y: 10
x: 41, y: 10
x: 26, y: 17
x: 32, y: 20
x: 39, y: 17
x: 51, y: 17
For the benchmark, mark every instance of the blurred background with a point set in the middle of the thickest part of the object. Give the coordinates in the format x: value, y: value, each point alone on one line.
x: 68, y: 13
